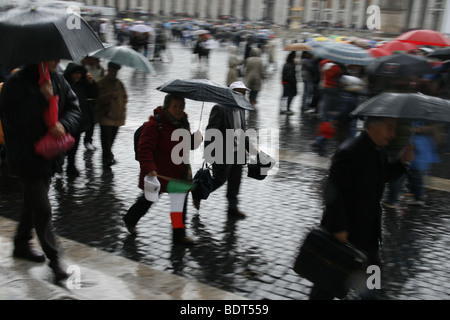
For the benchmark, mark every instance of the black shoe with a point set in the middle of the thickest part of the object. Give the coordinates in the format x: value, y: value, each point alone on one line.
x: 58, y: 271
x: 29, y: 254
x: 235, y: 213
x: 185, y: 240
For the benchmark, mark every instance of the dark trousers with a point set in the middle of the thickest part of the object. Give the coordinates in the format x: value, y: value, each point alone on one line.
x: 318, y: 293
x: 72, y: 152
x: 37, y: 214
x: 89, y: 134
x: 141, y: 207
x: 108, y: 135
x: 232, y: 174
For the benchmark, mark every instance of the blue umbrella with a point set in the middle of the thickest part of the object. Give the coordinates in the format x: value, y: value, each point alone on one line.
x: 342, y: 53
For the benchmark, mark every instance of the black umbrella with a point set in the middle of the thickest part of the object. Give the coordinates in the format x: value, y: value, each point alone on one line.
x: 414, y: 106
x: 33, y: 35
x: 207, y: 91
x: 441, y: 54
x: 399, y: 65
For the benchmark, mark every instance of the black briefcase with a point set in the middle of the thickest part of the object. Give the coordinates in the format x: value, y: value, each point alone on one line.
x: 329, y: 263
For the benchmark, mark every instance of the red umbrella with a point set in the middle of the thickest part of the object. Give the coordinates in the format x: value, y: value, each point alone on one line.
x: 379, y: 52
x: 425, y: 37
x: 396, y: 45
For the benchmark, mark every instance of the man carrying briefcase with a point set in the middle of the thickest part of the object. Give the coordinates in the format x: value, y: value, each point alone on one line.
x: 354, y: 187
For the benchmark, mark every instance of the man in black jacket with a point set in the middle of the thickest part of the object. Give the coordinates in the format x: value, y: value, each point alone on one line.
x: 22, y: 104
x: 354, y: 187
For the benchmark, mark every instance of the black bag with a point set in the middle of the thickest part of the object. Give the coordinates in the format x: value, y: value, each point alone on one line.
x: 329, y: 263
x: 259, y: 169
x: 137, y: 134
x: 204, y: 183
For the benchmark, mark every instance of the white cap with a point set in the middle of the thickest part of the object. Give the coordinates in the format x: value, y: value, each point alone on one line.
x: 151, y: 188
x: 238, y: 85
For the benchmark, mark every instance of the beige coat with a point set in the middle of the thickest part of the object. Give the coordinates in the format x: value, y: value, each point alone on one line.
x: 254, y: 73
x: 111, y: 111
x: 233, y: 63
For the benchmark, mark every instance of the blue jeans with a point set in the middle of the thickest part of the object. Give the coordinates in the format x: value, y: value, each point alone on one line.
x: 416, y: 183
x: 328, y: 102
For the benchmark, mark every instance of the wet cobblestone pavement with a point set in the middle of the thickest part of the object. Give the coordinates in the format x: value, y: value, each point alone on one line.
x: 251, y: 257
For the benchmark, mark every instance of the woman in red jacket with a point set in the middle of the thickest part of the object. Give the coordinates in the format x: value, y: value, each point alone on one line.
x: 155, y: 159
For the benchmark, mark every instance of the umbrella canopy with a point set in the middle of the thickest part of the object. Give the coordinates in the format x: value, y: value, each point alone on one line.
x: 395, y: 45
x: 425, y: 37
x: 141, y: 28
x: 33, y: 35
x: 125, y: 56
x: 441, y: 54
x: 414, y: 106
x: 297, y: 47
x: 379, y: 52
x: 400, y: 65
x: 207, y: 91
x: 343, y: 53
x: 200, y: 32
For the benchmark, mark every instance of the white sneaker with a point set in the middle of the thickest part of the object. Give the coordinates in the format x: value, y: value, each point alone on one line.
x: 418, y: 203
x: 89, y: 146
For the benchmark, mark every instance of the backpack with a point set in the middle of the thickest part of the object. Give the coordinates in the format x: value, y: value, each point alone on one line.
x: 137, y: 134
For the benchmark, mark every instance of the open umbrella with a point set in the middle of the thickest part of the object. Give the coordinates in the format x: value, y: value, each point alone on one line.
x: 425, y: 37
x: 206, y: 91
x: 38, y: 34
x: 379, y: 52
x: 414, y: 106
x: 395, y: 45
x: 343, y: 53
x: 125, y: 56
x: 297, y: 47
x: 400, y: 65
x: 141, y: 28
x: 441, y: 54
x: 200, y: 32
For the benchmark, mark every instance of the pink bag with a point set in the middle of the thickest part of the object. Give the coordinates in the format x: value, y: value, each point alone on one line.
x: 49, y: 147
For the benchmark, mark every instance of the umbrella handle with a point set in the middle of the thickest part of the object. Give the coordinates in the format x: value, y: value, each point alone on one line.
x: 201, y: 115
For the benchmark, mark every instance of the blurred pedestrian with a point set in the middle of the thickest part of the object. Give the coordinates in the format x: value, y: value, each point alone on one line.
x: 110, y: 110
x: 201, y: 49
x: 234, y: 63
x: 86, y: 90
x: 22, y: 104
x: 289, y: 82
x: 93, y: 66
x: 155, y: 159
x: 254, y: 74
x: 160, y: 44
x: 103, y: 31
x: 225, y: 118
x: 353, y: 189
x: 308, y: 81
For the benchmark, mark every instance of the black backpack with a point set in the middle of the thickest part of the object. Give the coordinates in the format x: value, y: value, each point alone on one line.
x: 137, y: 134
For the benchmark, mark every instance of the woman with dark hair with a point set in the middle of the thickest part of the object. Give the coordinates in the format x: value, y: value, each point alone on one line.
x: 86, y: 89
x: 289, y: 81
x: 155, y: 159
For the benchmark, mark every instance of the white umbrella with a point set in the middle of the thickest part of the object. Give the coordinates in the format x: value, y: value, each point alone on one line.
x: 141, y: 28
x: 125, y: 56
x: 200, y: 32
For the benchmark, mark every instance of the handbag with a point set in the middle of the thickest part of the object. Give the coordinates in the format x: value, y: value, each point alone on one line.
x: 204, y: 183
x: 263, y: 164
x: 329, y: 263
x: 49, y: 147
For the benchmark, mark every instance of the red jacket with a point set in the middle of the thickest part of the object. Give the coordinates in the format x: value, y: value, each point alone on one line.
x: 331, y: 73
x: 155, y: 149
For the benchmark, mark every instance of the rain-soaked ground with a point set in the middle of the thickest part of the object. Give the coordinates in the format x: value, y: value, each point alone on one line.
x: 251, y: 257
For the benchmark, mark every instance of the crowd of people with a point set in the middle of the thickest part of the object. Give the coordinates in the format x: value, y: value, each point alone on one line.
x: 88, y: 94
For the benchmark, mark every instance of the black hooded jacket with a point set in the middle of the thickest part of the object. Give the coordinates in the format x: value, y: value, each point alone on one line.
x: 22, y: 108
x: 86, y: 93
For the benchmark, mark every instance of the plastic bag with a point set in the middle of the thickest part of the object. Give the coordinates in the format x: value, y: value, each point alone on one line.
x: 49, y: 147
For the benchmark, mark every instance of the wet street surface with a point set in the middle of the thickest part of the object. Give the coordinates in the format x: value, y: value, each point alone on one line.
x: 251, y: 257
